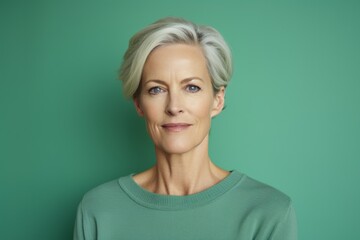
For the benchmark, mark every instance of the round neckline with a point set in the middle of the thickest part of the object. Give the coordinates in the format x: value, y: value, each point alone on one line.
x: 173, y: 202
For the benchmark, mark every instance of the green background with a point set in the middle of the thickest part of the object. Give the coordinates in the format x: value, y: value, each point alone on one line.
x: 292, y: 118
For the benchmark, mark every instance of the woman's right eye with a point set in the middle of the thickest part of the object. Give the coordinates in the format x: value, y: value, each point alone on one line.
x: 155, y: 90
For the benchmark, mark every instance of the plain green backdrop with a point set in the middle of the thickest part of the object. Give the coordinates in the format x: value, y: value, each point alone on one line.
x: 292, y: 118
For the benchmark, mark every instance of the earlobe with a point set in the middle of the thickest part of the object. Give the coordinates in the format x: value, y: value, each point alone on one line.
x: 138, y: 107
x: 219, y: 101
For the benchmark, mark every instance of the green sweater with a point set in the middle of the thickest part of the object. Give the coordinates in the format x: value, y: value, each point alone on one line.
x: 238, y: 207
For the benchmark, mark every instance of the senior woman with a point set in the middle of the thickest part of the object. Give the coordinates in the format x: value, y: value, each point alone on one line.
x: 176, y: 73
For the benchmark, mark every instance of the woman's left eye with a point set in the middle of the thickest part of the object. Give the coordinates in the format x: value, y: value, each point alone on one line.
x: 192, y: 88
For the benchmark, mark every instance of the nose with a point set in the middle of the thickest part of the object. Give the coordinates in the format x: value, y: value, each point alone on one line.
x: 174, y: 104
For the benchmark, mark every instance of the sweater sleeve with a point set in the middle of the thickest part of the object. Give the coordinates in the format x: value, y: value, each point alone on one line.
x: 82, y: 229
x: 286, y: 229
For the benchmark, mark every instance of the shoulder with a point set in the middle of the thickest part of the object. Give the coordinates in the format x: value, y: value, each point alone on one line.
x: 103, y: 196
x: 267, y: 209
x: 262, y: 198
x: 263, y: 191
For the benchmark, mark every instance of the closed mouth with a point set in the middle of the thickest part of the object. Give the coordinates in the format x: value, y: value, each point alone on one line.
x: 175, y: 127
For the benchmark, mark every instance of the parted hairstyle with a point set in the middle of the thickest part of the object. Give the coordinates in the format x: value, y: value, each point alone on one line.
x: 172, y: 30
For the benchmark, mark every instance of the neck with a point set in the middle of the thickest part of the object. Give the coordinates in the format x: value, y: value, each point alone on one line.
x: 181, y: 174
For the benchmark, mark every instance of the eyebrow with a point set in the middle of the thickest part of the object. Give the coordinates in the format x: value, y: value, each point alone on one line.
x: 185, y: 80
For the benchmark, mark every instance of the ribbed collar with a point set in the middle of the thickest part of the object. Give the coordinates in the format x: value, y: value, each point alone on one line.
x: 172, y: 202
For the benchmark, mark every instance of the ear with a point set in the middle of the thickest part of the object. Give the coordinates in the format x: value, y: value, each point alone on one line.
x: 219, y: 101
x: 138, y: 107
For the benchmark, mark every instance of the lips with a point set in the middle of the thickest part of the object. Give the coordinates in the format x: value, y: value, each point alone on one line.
x: 175, y: 127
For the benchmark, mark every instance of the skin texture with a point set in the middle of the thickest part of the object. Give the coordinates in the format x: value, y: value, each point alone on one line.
x: 177, y: 101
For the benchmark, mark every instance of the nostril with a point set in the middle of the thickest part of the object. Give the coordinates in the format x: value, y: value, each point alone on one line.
x: 174, y: 111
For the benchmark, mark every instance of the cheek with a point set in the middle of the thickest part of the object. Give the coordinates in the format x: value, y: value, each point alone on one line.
x: 152, y: 126
x: 202, y: 109
x: 153, y: 118
x: 151, y: 110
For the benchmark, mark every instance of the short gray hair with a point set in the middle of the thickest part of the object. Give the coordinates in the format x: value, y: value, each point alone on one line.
x: 172, y: 30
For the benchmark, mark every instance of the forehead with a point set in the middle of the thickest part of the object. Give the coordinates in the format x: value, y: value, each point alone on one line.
x: 175, y: 60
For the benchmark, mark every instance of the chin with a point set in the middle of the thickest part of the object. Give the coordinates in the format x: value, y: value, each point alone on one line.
x: 179, y: 146
x: 178, y: 149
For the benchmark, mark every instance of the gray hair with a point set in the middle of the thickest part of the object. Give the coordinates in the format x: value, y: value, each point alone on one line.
x: 172, y: 31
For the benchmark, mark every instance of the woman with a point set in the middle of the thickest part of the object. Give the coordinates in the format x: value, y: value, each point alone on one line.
x: 176, y: 73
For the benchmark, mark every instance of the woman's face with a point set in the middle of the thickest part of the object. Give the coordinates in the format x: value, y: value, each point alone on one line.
x: 177, y: 98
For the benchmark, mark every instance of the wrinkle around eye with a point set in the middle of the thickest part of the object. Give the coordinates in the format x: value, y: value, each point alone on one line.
x: 155, y: 90
x: 192, y: 88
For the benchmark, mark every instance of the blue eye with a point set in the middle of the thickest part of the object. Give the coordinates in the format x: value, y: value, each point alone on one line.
x: 155, y: 90
x: 192, y: 88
